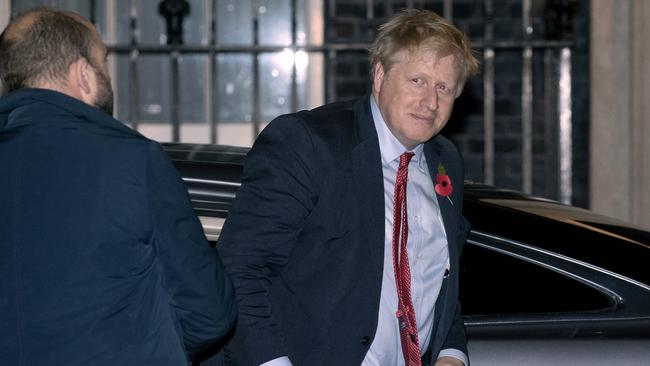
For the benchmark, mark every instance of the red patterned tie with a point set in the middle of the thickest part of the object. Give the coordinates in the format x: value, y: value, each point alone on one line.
x: 408, y: 329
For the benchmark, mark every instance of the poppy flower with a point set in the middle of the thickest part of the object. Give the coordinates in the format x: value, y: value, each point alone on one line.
x: 443, y: 185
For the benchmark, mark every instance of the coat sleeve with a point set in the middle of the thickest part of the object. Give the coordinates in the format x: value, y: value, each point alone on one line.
x: 456, y: 338
x: 192, y: 274
x: 278, y: 192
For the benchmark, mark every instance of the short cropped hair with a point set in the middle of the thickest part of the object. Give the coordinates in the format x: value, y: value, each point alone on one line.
x: 413, y: 29
x: 44, y: 50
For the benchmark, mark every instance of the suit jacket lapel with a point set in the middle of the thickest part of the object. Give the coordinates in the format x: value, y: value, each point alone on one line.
x: 369, y: 184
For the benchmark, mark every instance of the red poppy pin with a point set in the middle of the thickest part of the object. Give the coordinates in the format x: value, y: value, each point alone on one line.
x: 443, y: 185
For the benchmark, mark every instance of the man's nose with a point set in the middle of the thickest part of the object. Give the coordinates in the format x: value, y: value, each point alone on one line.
x: 430, y: 99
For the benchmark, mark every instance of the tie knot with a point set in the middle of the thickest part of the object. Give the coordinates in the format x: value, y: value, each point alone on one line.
x: 405, y: 158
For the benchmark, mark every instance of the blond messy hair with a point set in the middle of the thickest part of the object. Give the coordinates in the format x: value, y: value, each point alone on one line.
x: 414, y: 29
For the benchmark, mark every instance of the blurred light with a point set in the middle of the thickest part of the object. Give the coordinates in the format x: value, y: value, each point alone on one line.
x: 153, y: 108
x: 302, y: 60
x: 288, y: 57
x: 230, y: 88
x: 566, y: 127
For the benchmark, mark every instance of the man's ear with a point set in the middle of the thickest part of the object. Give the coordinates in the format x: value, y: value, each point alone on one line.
x: 377, y: 77
x: 83, y: 70
x: 82, y: 80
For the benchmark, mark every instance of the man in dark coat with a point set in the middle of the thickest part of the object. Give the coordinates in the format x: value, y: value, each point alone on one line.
x: 314, y: 242
x: 102, y: 259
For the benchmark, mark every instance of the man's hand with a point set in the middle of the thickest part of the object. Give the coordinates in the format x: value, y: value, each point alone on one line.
x: 449, y: 361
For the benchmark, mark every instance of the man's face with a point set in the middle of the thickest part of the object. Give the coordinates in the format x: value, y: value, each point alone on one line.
x: 416, y: 95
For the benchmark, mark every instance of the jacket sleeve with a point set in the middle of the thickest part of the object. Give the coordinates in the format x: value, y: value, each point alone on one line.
x: 277, y: 194
x: 456, y: 338
x: 192, y: 274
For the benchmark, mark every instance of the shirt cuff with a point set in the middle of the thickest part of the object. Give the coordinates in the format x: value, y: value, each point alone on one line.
x: 280, y: 361
x: 452, y: 352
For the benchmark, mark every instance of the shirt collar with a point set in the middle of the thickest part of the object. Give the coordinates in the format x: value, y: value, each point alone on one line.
x: 389, y: 146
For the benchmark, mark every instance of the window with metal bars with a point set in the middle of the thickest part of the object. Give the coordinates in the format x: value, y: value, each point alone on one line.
x: 239, y: 64
x: 243, y: 62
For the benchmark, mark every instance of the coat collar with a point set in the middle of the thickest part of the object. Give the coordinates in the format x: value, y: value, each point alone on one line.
x: 33, y: 106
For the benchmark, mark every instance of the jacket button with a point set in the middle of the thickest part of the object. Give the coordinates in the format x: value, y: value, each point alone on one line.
x: 365, y: 340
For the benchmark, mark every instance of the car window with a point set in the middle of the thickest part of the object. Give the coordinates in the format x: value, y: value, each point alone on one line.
x: 495, y: 283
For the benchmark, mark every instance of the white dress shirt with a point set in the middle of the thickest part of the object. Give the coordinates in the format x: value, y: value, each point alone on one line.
x: 427, y: 253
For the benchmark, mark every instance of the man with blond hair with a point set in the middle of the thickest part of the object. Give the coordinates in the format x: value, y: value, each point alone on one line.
x: 102, y: 259
x: 330, y: 264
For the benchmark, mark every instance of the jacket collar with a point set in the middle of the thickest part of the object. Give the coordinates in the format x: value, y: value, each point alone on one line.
x: 31, y: 106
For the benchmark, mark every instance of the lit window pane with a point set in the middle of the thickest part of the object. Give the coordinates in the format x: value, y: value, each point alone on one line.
x: 194, y: 26
x: 275, y: 77
x: 80, y: 6
x: 274, y: 22
x: 234, y: 22
x: 309, y: 71
x: 122, y: 89
x: 122, y: 19
x: 154, y: 79
x: 235, y: 92
x: 309, y: 22
x: 150, y: 24
x: 192, y: 78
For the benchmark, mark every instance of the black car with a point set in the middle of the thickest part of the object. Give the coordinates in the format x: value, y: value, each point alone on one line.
x: 542, y: 283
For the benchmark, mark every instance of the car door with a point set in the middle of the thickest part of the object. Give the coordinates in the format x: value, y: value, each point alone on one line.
x: 526, y: 306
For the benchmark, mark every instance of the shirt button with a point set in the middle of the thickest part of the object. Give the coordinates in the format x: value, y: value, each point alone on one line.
x: 365, y: 340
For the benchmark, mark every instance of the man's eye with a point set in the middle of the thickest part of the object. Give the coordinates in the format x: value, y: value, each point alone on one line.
x: 417, y: 81
x: 444, y: 88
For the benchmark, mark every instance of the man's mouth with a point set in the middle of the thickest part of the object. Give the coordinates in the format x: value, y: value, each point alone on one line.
x: 423, y: 117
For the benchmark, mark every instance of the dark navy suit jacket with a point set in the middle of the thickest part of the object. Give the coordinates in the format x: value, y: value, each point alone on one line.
x: 304, y: 242
x: 102, y: 260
